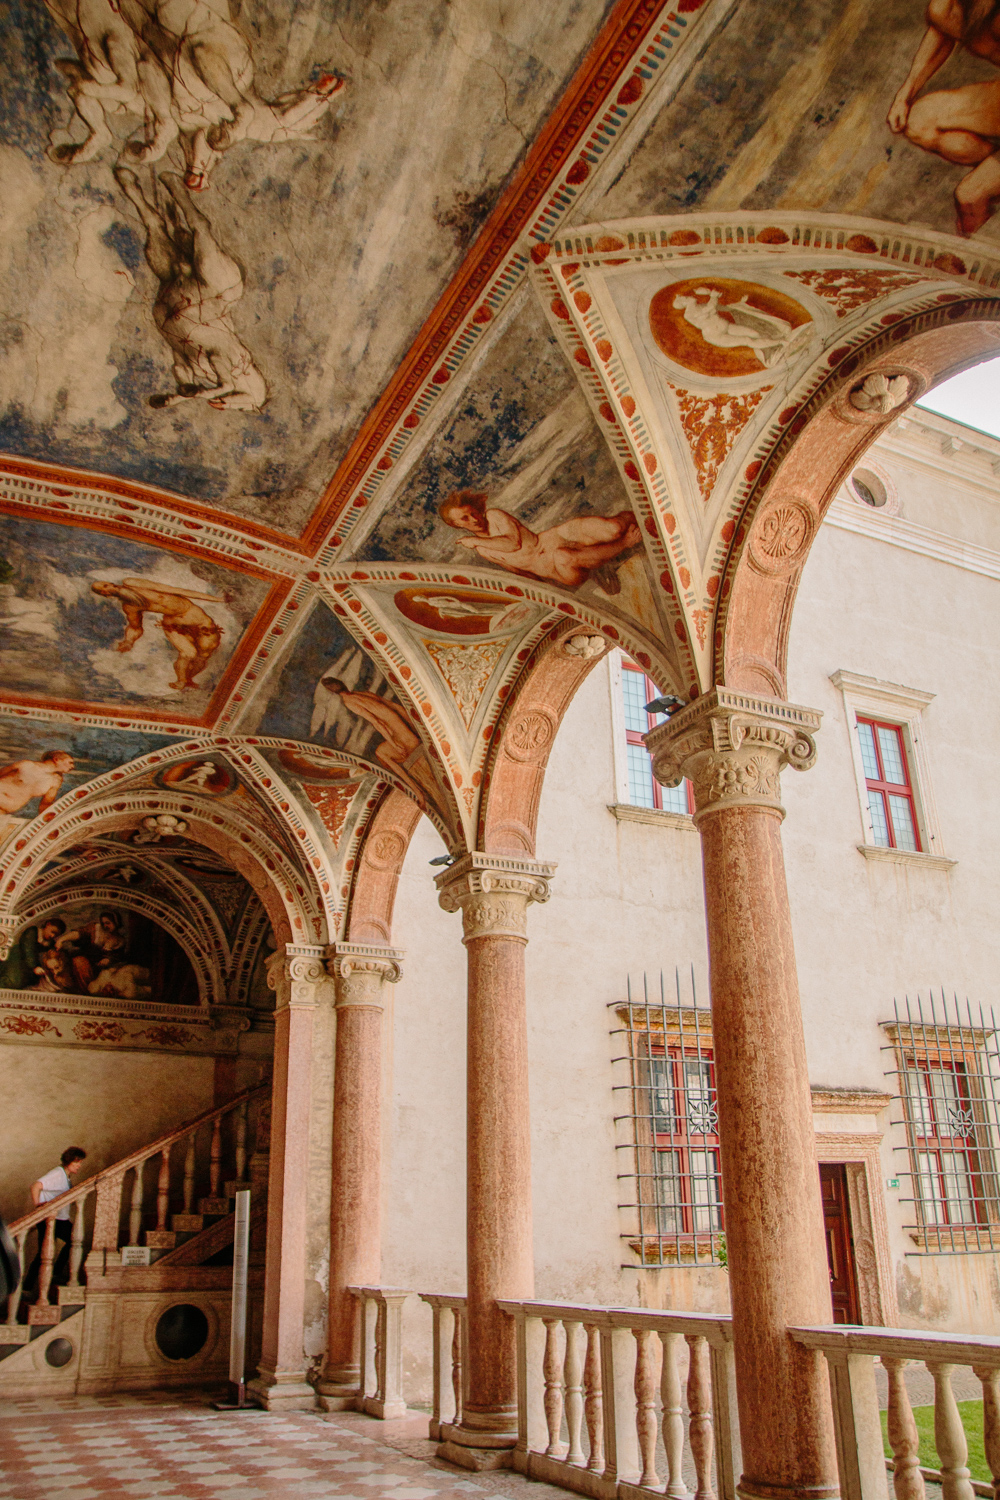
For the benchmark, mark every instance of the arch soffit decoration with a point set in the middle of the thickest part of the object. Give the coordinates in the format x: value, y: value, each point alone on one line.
x: 211, y: 984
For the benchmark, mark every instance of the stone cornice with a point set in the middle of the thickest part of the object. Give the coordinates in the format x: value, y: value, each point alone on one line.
x: 846, y: 1101
x: 658, y: 817
x: 733, y: 746
x: 881, y: 855
x: 847, y: 515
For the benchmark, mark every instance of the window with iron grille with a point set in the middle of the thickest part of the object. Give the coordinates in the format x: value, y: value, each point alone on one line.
x: 643, y: 788
x: 889, y: 785
x: 670, y: 1130
x: 947, y: 1068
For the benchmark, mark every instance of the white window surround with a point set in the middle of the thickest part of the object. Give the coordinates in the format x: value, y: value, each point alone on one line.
x: 624, y: 810
x: 894, y: 704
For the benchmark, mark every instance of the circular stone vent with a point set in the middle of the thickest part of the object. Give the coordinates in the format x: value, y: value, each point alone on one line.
x: 59, y: 1353
x: 181, y: 1332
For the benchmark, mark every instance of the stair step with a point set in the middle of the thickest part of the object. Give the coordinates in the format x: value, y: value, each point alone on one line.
x: 187, y: 1223
x: 161, y: 1239
x: 217, y: 1206
x: 232, y: 1188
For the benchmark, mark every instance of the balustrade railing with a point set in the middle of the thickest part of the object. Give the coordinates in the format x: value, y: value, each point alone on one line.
x: 851, y: 1354
x: 107, y: 1233
x: 449, y: 1341
x: 380, y: 1310
x: 599, y: 1397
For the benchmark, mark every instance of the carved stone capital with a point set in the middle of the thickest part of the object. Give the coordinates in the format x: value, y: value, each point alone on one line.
x: 359, y: 971
x: 8, y: 927
x: 733, y: 747
x: 298, y: 976
x: 493, y: 892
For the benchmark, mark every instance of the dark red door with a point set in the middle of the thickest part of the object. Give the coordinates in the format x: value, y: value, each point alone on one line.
x: 839, y: 1243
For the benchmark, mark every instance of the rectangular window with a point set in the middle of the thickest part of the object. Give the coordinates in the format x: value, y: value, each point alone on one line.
x: 643, y: 789
x: 888, y: 785
x: 948, y: 1069
x: 672, y: 1133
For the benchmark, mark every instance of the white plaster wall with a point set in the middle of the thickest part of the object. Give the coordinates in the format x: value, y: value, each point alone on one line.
x: 108, y: 1103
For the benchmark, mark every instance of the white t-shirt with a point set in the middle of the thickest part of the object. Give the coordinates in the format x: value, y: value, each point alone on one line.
x: 53, y: 1183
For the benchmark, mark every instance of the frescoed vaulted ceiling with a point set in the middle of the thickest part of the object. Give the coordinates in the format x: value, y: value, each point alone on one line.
x: 356, y: 353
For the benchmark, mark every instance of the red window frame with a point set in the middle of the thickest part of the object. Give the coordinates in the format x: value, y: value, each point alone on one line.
x: 682, y: 1141
x: 634, y: 736
x: 897, y: 789
x: 933, y: 1138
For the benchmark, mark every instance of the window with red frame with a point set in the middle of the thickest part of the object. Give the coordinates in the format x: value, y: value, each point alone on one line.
x: 684, y: 1126
x: 947, y: 1175
x: 889, y: 785
x: 643, y: 789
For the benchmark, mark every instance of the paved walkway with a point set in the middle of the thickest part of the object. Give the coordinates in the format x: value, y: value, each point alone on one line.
x: 177, y: 1448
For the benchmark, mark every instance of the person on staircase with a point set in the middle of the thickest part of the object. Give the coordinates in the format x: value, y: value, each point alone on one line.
x: 53, y: 1185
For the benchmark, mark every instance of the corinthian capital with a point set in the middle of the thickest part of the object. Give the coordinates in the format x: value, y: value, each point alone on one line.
x: 8, y: 927
x: 733, y: 747
x: 360, y: 970
x: 493, y: 892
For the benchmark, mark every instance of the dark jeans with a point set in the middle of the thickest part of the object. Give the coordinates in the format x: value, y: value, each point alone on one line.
x: 60, y: 1266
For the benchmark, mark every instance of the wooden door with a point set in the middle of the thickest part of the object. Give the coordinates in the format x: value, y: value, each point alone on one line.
x: 839, y: 1243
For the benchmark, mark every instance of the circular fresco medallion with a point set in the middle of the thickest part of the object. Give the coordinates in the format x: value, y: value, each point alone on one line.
x: 725, y: 328
x: 205, y: 776
x: 461, y: 611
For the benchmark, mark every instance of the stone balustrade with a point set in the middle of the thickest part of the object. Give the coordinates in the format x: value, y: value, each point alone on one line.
x: 380, y: 1393
x: 450, y: 1336
x: 851, y: 1354
x: 125, y: 1198
x: 599, y: 1390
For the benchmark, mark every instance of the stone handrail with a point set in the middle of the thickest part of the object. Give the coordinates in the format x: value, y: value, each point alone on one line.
x: 598, y: 1372
x: 380, y: 1393
x: 450, y: 1358
x: 850, y: 1355
x: 108, y: 1186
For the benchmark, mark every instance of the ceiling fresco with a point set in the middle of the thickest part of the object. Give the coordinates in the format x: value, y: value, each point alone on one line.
x: 226, y: 229
x: 363, y: 358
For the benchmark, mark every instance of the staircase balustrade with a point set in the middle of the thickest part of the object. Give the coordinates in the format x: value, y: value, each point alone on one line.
x: 851, y: 1353
x: 106, y: 1235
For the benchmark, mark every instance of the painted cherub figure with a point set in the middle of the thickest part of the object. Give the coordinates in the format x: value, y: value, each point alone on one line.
x: 566, y: 554
x: 961, y: 125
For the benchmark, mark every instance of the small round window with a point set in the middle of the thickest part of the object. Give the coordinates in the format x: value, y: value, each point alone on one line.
x: 868, y: 488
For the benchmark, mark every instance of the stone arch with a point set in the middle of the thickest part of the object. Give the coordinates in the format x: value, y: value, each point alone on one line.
x: 208, y: 974
x: 284, y: 890
x: 524, y: 736
x: 807, y: 466
x: 378, y: 863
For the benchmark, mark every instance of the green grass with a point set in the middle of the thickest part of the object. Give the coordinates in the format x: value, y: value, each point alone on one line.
x: 971, y: 1413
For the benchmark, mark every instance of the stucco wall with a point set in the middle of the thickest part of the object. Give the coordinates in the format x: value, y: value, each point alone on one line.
x: 108, y: 1103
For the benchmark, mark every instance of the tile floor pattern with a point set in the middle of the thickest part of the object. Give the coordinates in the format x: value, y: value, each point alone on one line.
x: 175, y: 1449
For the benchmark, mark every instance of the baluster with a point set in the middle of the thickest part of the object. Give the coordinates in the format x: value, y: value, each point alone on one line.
x: 593, y: 1404
x: 573, y: 1387
x: 13, y: 1332
x: 241, y: 1142
x: 647, y: 1348
x: 380, y: 1350
x: 76, y: 1250
x: 699, y: 1399
x: 135, y: 1217
x: 990, y: 1380
x: 48, y: 1256
x: 189, y: 1174
x: 163, y: 1190
x: 215, y: 1160
x: 949, y: 1436
x: 456, y: 1363
x: 553, y: 1400
x: 907, y: 1480
x: 673, y: 1415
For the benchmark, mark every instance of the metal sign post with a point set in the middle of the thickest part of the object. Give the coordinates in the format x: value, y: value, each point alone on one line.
x: 238, y: 1331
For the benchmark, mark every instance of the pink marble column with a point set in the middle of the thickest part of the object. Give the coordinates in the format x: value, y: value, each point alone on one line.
x: 493, y: 893
x: 301, y: 984
x: 360, y: 972
x: 733, y: 747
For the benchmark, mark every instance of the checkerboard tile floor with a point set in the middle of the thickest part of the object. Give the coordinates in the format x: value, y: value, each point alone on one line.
x: 170, y: 1449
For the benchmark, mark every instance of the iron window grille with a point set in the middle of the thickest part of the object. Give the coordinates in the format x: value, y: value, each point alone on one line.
x: 947, y: 1071
x: 669, y: 1130
x: 889, y: 786
x: 643, y: 788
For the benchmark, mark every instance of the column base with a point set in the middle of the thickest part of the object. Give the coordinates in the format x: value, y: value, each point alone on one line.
x: 756, y: 1489
x: 339, y: 1389
x: 287, y: 1391
x: 476, y: 1450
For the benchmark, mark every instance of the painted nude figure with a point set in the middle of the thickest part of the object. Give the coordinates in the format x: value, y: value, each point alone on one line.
x: 566, y: 554
x: 189, y: 629
x: 186, y: 70
x: 199, y: 285
x: 739, y: 325
x: 401, y: 750
x: 963, y: 124
x: 23, y: 780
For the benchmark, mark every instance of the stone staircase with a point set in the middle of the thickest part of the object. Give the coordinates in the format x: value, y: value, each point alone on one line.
x: 148, y: 1295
